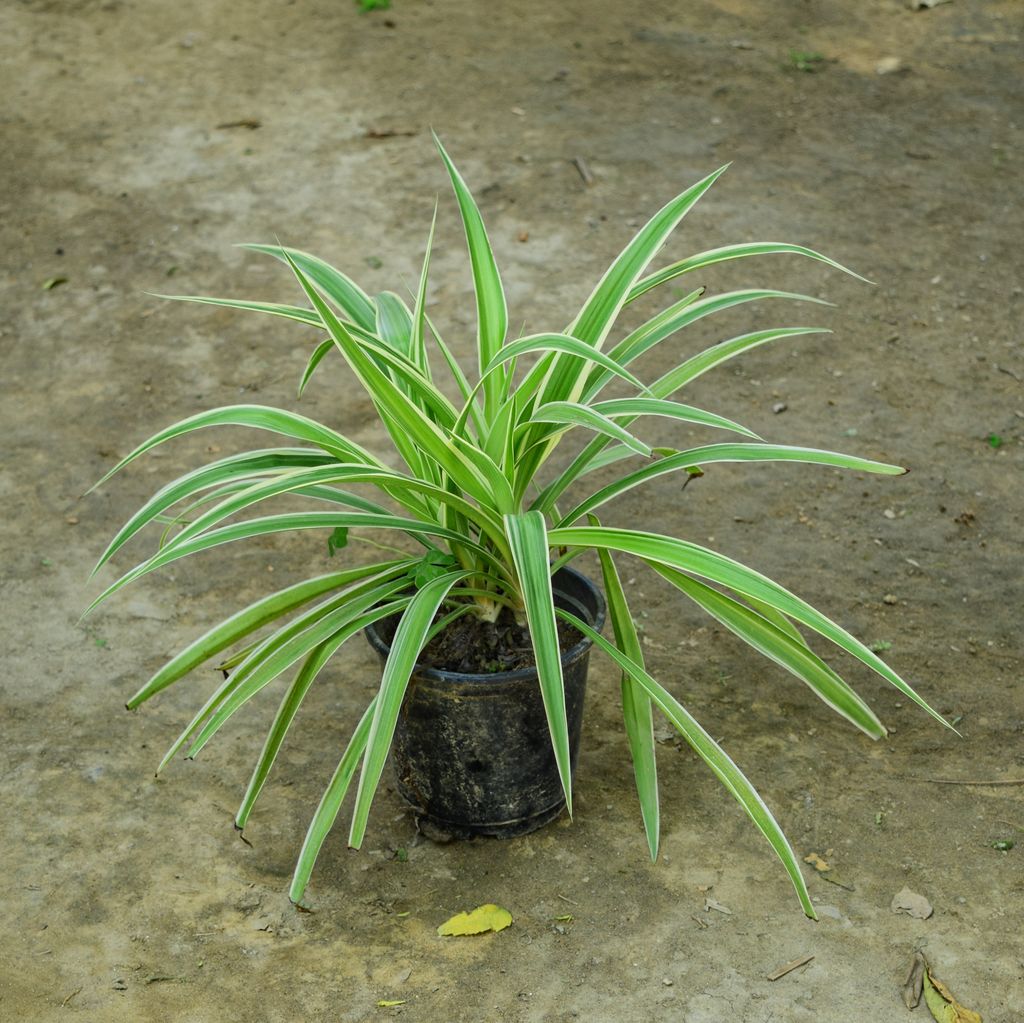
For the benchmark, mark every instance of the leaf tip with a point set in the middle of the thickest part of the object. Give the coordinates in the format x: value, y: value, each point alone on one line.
x: 295, y: 898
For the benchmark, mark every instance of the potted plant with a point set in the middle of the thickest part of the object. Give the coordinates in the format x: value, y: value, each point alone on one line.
x: 489, y: 531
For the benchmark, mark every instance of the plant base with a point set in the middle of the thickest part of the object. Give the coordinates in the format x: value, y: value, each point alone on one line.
x: 472, y: 753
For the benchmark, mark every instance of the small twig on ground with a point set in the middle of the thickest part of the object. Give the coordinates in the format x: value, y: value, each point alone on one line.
x: 77, y: 990
x: 584, y: 171
x: 956, y: 781
x: 247, y: 122
x: 835, y: 880
x: 791, y: 966
x: 387, y: 133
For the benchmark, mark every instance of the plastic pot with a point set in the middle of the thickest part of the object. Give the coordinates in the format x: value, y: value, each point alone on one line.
x: 472, y: 753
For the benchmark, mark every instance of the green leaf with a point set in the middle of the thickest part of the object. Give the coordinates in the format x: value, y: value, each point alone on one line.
x: 340, y: 289
x: 644, y: 337
x: 262, y: 667
x: 634, y: 407
x: 408, y: 641
x: 636, y: 704
x: 256, y: 654
x: 251, y: 618
x: 288, y: 312
x: 498, y: 494
x: 571, y: 414
x: 722, y: 352
x: 318, y: 356
x: 259, y: 417
x: 498, y: 442
x: 699, y: 561
x: 433, y: 565
x: 227, y: 470
x: 528, y: 540
x: 684, y: 313
x: 286, y: 523
x: 286, y: 712
x: 727, y: 252
x: 397, y: 410
x: 562, y: 343
x: 303, y: 481
x: 417, y: 341
x: 453, y: 367
x: 778, y: 619
x: 712, y: 754
x: 492, y: 312
x: 330, y: 803
x: 591, y: 456
x: 406, y: 490
x: 598, y: 314
x: 337, y: 541
x: 777, y: 645
x: 705, y: 455
x: 394, y: 322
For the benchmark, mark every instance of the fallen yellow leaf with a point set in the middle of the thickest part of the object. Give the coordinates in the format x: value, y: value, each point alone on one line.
x: 388, y: 1005
x: 942, y: 1005
x: 483, y: 918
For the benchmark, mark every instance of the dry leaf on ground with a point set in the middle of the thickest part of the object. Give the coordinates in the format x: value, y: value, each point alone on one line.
x: 942, y: 1005
x: 906, y: 901
x: 480, y: 920
x: 824, y: 870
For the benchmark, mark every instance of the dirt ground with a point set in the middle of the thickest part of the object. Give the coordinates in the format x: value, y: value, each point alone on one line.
x: 141, y: 140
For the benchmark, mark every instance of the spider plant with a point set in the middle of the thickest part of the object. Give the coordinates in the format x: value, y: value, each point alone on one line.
x: 481, y: 534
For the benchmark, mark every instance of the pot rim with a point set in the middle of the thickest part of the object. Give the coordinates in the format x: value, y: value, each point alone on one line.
x: 516, y: 674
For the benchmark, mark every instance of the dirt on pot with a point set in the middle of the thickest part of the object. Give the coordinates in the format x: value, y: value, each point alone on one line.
x: 143, y: 140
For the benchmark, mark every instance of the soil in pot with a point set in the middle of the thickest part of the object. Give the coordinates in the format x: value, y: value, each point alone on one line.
x: 472, y: 752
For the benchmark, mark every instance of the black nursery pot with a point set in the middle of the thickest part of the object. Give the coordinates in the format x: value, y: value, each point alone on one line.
x: 472, y: 753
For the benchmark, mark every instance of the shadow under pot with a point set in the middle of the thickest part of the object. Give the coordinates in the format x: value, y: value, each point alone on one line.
x: 472, y: 753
